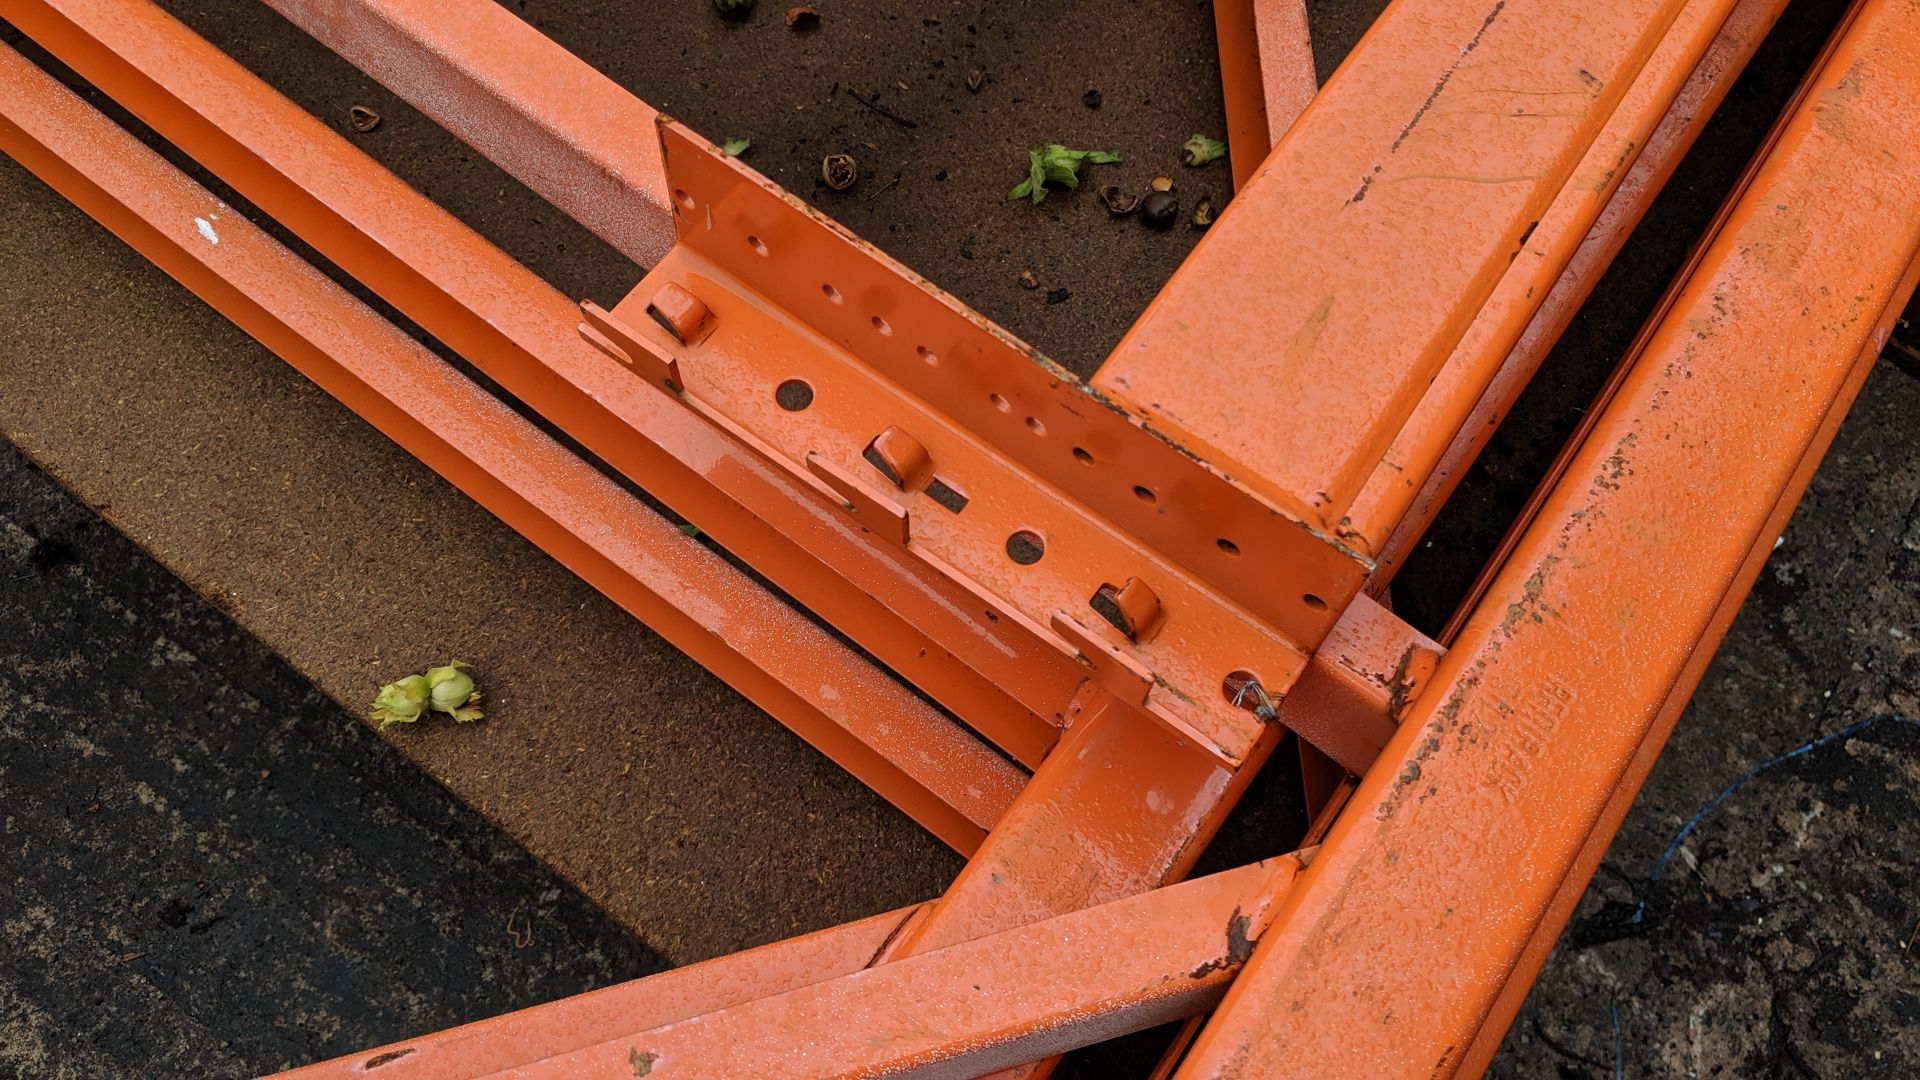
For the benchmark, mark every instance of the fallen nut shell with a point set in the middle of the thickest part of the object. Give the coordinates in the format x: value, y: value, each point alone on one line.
x: 976, y: 79
x: 1119, y: 201
x: 1162, y: 183
x: 362, y: 118
x: 1159, y: 209
x: 1203, y: 212
x: 1028, y: 281
x: 802, y: 18
x: 839, y: 171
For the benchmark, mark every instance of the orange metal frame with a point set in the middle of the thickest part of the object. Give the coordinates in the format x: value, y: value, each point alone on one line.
x: 1116, y: 595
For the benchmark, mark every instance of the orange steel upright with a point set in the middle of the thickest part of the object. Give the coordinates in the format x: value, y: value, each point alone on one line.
x: 1066, y: 622
x: 1398, y: 941
x: 1266, y: 69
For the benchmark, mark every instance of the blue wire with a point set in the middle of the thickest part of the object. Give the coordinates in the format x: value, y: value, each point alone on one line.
x: 1806, y: 748
x: 1619, y: 1050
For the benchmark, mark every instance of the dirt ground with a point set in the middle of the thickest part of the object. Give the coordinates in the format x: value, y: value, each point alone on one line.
x: 213, y: 873
x: 1772, y: 945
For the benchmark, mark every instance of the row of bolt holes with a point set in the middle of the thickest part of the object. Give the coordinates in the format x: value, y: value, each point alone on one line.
x: 1025, y: 547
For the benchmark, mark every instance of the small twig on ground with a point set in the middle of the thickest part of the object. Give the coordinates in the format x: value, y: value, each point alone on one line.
x: 881, y: 109
x: 888, y: 186
x: 521, y: 938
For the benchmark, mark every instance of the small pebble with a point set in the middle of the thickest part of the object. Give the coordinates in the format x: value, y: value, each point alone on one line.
x: 1058, y: 296
x: 1091, y: 99
x: 1028, y: 281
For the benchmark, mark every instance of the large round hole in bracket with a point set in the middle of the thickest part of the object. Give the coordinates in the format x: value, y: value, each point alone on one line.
x: 1082, y: 455
x: 1145, y: 494
x: 1034, y: 425
x: 1227, y: 546
x: 685, y: 200
x: 882, y: 326
x: 1000, y: 403
x: 1026, y: 547
x: 831, y: 293
x: 1314, y: 602
x: 793, y: 395
x: 758, y: 245
x: 932, y: 358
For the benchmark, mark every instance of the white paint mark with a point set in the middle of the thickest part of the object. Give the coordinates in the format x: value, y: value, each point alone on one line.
x: 206, y: 230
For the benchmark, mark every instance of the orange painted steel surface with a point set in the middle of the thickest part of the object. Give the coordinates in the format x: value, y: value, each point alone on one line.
x: 1725, y: 59
x: 923, y: 355
x: 1562, y: 461
x: 1520, y: 980
x: 852, y: 711
x: 1123, y: 806
x: 561, y: 1027
x: 1120, y: 807
x: 1266, y: 70
x: 1541, y: 942
x: 1151, y: 490
x: 1295, y: 341
x: 1544, y: 252
x: 989, y: 1003
x: 796, y: 306
x: 524, y: 335
x: 530, y: 106
x: 1394, y: 948
x: 1039, y: 554
x: 1365, y: 674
